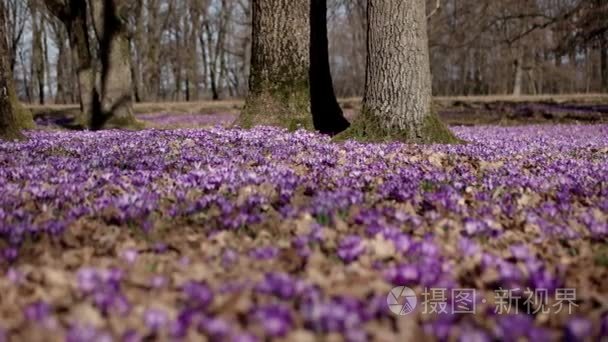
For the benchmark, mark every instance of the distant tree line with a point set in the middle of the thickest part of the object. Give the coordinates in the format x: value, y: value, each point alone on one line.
x: 491, y: 47
x: 291, y: 58
x: 200, y: 49
x: 289, y: 84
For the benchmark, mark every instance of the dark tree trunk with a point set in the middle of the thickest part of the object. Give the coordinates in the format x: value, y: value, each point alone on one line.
x: 187, y: 88
x: 326, y: 112
x: 397, y: 100
x: 604, y: 62
x: 9, y: 126
x: 215, y: 95
x: 37, y: 61
x: 279, y: 91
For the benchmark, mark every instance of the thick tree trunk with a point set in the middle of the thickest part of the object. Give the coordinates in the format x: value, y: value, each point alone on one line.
x: 116, y: 107
x: 397, y: 100
x: 9, y: 125
x: 279, y: 93
x: 326, y: 112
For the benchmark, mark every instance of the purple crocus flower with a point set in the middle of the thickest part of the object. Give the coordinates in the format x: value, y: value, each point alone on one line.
x: 604, y: 326
x: 543, y: 279
x: 474, y: 335
x: 402, y: 275
x: 520, y: 252
x: 198, y: 294
x: 440, y: 329
x: 244, y: 337
x: 130, y: 255
x: 339, y: 314
x: 216, y: 328
x: 473, y: 227
x: 158, y: 282
x: 160, y: 248
x: 38, y: 311
x: 514, y: 327
x: 229, y: 257
x: 10, y: 254
x: 14, y: 275
x: 85, y: 333
x: 264, y: 253
x: 280, y: 285
x: 578, y: 329
x: 350, y: 248
x: 155, y: 319
x: 468, y: 247
x: 131, y: 336
x: 276, y: 319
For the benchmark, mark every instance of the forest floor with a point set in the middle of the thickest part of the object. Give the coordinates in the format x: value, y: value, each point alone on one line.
x: 465, y: 110
x: 241, y: 235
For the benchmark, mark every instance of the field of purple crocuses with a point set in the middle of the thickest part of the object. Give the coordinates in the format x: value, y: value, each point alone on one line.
x: 244, y: 235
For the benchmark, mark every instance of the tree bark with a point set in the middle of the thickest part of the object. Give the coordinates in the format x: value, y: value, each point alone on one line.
x: 279, y: 93
x: 9, y: 125
x: 216, y: 45
x: 604, y: 62
x: 152, y: 67
x: 519, y: 74
x: 73, y: 15
x: 116, y: 106
x: 326, y: 112
x: 139, y: 47
x: 63, y: 80
x: 134, y: 75
x: 193, y: 78
x: 37, y: 60
x: 397, y: 100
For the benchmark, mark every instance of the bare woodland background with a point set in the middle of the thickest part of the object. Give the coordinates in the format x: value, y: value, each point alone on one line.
x: 200, y: 49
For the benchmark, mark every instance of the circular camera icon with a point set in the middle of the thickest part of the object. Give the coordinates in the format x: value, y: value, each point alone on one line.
x: 401, y: 300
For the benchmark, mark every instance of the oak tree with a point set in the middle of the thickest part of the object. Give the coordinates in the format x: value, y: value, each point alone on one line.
x: 397, y: 99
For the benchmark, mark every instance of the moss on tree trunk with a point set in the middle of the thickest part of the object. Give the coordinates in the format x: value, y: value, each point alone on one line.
x: 368, y: 128
x: 285, y: 106
x: 12, y: 118
x: 24, y: 117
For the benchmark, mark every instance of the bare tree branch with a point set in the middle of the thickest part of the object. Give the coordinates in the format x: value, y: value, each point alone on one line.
x: 435, y: 10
